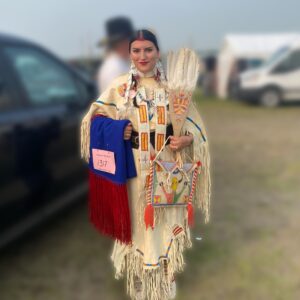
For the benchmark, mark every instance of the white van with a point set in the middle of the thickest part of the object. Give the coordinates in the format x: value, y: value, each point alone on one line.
x: 276, y: 81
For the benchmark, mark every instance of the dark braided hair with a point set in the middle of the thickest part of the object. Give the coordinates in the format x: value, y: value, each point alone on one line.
x: 134, y: 85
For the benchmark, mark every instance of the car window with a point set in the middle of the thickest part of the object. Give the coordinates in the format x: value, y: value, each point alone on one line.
x: 254, y: 63
x: 277, y: 55
x: 290, y: 63
x: 45, y: 80
x: 294, y: 60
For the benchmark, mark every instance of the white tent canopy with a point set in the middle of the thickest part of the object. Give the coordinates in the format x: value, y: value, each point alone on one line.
x: 247, y: 46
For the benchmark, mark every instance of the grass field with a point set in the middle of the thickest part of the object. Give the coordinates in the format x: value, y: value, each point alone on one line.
x: 249, y: 251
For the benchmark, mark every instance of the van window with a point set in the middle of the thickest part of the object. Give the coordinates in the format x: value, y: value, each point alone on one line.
x: 276, y: 56
x: 290, y: 63
x: 45, y: 80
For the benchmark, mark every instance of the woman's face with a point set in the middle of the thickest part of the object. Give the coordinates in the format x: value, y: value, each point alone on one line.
x: 144, y: 55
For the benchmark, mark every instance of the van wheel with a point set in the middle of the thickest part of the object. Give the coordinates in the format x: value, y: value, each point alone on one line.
x: 270, y: 98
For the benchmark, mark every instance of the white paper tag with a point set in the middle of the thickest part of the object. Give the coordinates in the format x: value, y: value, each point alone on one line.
x: 104, y: 161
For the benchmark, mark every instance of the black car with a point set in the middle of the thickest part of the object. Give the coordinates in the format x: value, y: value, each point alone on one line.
x: 41, y: 102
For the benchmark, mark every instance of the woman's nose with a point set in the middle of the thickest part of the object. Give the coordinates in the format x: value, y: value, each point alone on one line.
x: 143, y: 55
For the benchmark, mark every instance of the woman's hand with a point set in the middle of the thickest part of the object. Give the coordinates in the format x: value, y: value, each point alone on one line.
x: 180, y: 142
x: 128, y: 131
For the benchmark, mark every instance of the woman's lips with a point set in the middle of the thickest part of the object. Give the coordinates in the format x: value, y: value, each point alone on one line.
x: 143, y: 63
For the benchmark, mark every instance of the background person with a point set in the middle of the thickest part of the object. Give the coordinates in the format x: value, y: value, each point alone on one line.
x: 118, y: 30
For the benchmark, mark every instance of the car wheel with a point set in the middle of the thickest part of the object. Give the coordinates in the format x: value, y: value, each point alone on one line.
x: 270, y: 98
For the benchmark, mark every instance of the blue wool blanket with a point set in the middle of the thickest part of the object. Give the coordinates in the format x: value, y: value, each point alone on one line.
x: 108, y: 134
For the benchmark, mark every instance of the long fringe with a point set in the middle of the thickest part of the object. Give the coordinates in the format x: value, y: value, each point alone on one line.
x: 203, y: 186
x: 85, y: 132
x: 155, y: 283
x: 95, y: 109
x: 200, y: 151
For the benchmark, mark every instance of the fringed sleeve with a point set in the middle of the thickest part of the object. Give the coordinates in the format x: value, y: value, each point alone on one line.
x: 199, y: 150
x: 104, y: 105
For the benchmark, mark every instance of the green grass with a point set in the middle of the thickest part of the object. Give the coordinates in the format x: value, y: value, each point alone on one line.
x: 249, y: 251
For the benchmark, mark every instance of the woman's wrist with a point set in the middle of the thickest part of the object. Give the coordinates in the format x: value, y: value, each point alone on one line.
x: 190, y: 138
x: 187, y: 140
x: 180, y: 142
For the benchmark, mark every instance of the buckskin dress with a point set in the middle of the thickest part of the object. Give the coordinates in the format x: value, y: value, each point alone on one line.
x: 155, y: 255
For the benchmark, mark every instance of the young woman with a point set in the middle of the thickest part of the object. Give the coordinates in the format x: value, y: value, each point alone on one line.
x: 150, y: 254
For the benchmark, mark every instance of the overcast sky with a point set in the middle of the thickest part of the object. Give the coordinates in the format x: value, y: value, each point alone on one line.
x: 72, y: 27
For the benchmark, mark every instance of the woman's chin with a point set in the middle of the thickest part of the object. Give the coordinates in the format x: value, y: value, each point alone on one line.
x: 145, y: 69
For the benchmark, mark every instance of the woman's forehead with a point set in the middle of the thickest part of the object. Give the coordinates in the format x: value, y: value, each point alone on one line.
x: 142, y: 44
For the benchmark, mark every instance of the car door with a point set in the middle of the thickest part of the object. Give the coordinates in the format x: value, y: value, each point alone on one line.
x: 286, y: 75
x: 12, y: 189
x: 46, y: 134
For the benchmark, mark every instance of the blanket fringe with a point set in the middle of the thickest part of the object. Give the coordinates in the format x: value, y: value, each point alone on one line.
x: 108, y: 208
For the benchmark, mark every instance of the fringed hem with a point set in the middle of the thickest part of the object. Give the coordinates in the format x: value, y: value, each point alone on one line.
x: 155, y: 280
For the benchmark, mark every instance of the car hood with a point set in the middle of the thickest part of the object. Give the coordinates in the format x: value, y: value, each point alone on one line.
x: 252, y: 73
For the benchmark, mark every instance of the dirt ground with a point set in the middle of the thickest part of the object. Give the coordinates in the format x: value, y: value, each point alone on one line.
x: 249, y: 251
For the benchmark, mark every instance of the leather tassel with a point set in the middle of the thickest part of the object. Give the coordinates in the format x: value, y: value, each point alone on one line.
x: 149, y: 216
x: 190, y: 210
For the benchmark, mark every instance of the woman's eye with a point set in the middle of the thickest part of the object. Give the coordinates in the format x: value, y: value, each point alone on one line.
x: 135, y: 51
x: 149, y: 50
